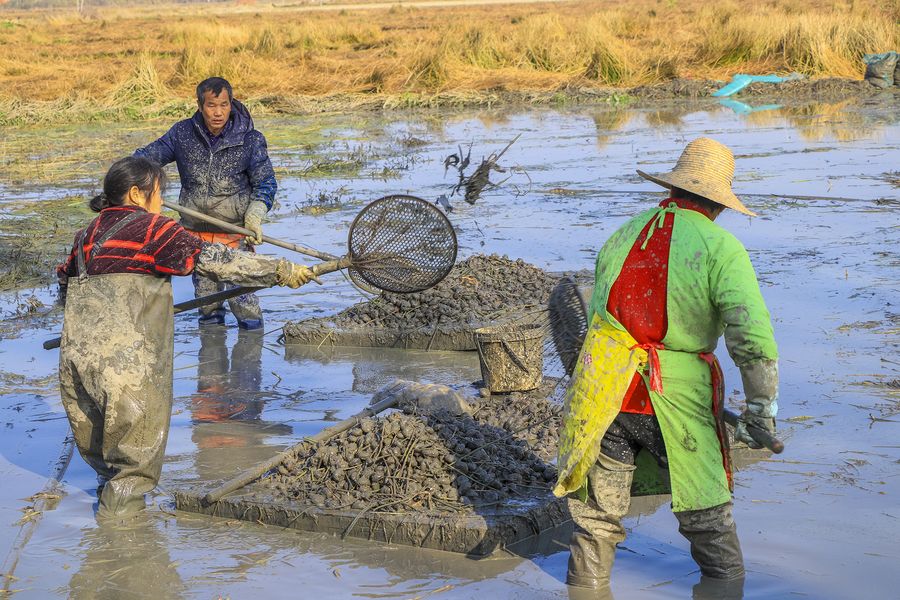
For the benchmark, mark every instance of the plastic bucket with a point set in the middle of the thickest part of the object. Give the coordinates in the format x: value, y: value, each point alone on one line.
x: 511, y: 357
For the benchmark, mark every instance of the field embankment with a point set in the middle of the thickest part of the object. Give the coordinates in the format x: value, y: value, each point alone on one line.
x: 117, y: 63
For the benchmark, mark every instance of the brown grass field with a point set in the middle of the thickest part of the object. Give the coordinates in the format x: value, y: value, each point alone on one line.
x: 139, y: 62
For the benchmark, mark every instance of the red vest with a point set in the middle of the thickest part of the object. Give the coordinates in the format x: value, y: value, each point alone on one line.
x: 637, y: 299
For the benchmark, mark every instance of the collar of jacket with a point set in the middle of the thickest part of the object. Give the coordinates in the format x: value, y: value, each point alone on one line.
x: 685, y: 204
x: 240, y: 123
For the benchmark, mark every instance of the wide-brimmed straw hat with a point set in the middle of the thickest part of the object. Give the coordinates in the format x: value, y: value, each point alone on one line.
x: 705, y: 168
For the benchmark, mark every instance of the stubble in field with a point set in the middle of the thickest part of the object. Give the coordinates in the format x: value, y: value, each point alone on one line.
x: 124, y: 64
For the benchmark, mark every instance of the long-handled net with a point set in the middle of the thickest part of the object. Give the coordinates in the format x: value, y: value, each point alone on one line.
x: 568, y: 321
x: 398, y: 244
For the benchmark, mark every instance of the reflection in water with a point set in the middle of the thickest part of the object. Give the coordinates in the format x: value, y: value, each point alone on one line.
x: 493, y: 118
x: 841, y: 121
x: 126, y: 558
x: 608, y: 122
x: 226, y: 410
x: 672, y: 117
x: 373, y: 368
x: 576, y: 593
x: 228, y: 393
x: 819, y: 121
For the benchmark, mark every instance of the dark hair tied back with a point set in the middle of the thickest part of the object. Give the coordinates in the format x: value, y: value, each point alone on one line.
x: 99, y: 202
x: 125, y: 174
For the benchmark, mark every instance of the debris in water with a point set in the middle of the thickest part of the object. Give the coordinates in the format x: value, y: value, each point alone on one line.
x: 473, y: 185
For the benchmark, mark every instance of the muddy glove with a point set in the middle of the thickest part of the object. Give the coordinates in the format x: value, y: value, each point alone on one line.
x: 253, y: 220
x: 294, y: 275
x: 760, y: 380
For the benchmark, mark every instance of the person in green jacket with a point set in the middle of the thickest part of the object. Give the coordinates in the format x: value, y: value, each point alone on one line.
x: 669, y: 283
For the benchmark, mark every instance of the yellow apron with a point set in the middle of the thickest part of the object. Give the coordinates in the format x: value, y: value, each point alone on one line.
x: 608, y: 361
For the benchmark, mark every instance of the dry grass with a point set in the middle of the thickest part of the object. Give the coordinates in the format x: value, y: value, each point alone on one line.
x: 130, y: 64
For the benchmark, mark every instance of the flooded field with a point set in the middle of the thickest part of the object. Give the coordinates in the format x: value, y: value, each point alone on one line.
x: 819, y: 521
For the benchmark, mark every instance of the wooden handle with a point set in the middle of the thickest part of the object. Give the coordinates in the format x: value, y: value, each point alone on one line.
x: 242, y: 230
x: 258, y: 471
x: 760, y: 436
x: 330, y: 266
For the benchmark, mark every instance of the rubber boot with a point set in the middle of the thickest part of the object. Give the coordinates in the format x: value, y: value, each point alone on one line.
x: 247, y: 311
x: 718, y: 589
x: 215, y: 318
x: 599, y: 523
x: 590, y: 560
x: 118, y: 500
x: 251, y: 324
x: 209, y: 314
x: 714, y: 541
x: 580, y: 593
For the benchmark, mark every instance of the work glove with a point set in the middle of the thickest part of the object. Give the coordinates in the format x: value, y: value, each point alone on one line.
x: 293, y: 275
x: 253, y: 220
x: 760, y: 380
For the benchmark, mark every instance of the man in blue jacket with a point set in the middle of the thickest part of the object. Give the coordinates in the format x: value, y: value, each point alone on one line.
x: 225, y: 173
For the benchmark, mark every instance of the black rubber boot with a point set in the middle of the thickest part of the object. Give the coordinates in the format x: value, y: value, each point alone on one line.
x: 718, y: 589
x: 714, y: 541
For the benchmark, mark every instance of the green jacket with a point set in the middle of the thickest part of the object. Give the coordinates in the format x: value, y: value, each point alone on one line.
x: 711, y: 290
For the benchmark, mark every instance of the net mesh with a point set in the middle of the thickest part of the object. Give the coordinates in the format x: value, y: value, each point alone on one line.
x: 568, y: 321
x: 401, y: 244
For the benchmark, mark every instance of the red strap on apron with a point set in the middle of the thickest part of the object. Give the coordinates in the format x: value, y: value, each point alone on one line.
x: 718, y: 402
x: 653, y: 360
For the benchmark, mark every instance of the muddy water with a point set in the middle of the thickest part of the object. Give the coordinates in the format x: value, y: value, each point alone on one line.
x: 819, y: 521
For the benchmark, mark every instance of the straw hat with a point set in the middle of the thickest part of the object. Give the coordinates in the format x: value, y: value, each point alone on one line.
x: 705, y: 168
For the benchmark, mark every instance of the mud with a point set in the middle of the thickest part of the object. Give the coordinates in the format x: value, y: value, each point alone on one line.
x: 469, y: 533
x: 822, y: 90
x: 428, y: 464
x: 479, y: 291
x: 832, y: 89
x: 676, y: 88
x: 823, y: 253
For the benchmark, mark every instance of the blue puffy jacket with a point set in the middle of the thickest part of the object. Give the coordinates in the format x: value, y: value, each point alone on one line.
x: 219, y: 176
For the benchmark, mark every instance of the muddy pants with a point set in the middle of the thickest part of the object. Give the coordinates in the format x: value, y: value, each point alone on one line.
x: 245, y: 308
x: 598, y: 522
x: 115, y: 376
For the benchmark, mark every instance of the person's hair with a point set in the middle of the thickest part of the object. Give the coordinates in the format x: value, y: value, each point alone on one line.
x: 214, y: 85
x: 125, y: 174
x: 704, y: 203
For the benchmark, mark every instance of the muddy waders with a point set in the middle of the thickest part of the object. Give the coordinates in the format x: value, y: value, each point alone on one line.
x: 115, y: 371
x: 245, y: 308
x: 598, y: 529
x: 714, y: 541
x: 598, y: 523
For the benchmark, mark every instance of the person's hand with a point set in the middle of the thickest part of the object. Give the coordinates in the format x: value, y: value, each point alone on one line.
x: 752, y: 419
x: 293, y: 275
x: 253, y: 220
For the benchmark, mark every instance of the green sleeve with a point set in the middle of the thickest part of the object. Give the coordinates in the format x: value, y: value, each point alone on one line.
x: 735, y: 293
